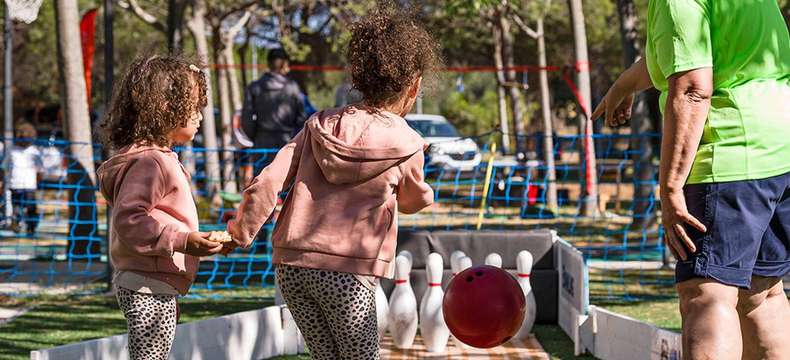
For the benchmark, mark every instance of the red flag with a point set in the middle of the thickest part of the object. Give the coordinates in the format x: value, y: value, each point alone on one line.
x: 87, y: 31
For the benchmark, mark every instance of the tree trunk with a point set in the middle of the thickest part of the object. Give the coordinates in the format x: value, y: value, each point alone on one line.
x: 197, y: 26
x: 230, y: 95
x: 641, y: 124
x: 589, y: 197
x: 226, y: 112
x: 500, y: 89
x: 175, y: 22
x: 548, y: 127
x: 82, y: 214
x: 233, y: 80
x: 514, y: 93
x: 242, y: 52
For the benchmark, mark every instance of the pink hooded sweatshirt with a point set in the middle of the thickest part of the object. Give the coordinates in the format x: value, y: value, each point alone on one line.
x: 350, y: 170
x: 152, y: 213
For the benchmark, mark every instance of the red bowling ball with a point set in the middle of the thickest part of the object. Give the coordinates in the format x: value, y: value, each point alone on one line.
x: 483, y: 306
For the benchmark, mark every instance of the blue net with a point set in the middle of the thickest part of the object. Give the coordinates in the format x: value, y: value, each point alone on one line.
x: 68, y: 243
x: 54, y: 226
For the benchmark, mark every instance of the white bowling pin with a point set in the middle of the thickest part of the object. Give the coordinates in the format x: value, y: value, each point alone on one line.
x: 382, y: 310
x: 433, y: 329
x: 454, y: 257
x: 524, y: 268
x: 464, y: 263
x: 403, y: 306
x: 494, y: 259
x: 408, y: 255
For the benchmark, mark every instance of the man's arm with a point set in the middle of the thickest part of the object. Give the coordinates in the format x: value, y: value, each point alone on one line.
x: 617, y: 103
x: 687, y: 106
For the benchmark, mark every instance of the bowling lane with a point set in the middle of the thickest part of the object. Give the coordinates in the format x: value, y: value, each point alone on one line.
x: 529, y: 349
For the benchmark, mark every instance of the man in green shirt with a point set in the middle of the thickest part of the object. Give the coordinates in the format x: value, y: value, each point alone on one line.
x: 723, y: 69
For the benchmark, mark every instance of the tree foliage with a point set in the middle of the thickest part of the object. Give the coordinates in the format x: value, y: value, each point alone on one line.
x: 316, y: 33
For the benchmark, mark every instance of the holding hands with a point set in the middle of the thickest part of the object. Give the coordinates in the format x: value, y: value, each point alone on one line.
x: 200, y: 244
x: 209, y: 243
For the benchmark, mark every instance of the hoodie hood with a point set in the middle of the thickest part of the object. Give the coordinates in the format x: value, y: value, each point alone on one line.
x: 111, y: 170
x: 355, y: 143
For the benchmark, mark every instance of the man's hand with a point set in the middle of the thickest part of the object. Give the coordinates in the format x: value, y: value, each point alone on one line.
x: 616, y: 104
x: 674, y: 214
x: 198, y: 244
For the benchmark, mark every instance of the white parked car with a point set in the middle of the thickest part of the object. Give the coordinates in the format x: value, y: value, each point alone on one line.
x: 448, y: 150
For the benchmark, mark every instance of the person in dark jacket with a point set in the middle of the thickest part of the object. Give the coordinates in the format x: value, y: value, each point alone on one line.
x: 274, y: 108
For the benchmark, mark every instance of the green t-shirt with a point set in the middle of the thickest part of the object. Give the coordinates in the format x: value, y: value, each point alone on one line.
x: 747, y: 133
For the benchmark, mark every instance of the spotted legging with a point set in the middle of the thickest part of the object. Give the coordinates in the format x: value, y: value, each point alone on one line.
x: 151, y: 320
x: 335, y: 312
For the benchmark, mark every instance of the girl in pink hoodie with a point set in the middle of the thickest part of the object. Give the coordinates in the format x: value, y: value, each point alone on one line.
x: 154, y: 243
x: 349, y: 171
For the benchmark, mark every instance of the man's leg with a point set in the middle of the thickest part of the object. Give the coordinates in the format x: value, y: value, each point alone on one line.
x: 765, y: 319
x: 710, y: 320
x: 764, y: 309
x: 744, y: 238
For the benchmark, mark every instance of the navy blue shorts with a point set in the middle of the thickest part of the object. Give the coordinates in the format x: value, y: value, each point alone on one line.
x: 748, y: 233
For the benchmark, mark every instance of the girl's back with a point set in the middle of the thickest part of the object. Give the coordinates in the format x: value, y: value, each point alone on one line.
x: 352, y: 169
x: 349, y: 171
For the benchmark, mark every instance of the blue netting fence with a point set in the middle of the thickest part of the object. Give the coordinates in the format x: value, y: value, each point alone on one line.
x: 53, y: 233
x: 68, y: 242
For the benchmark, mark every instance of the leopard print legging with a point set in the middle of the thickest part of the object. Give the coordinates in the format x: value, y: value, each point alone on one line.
x: 151, y: 321
x: 335, y: 312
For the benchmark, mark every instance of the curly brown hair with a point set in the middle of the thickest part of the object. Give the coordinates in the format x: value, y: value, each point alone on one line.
x: 156, y: 95
x: 387, y: 51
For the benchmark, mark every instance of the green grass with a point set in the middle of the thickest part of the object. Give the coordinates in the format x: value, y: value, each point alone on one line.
x: 662, y: 313
x: 556, y: 343
x: 64, y: 319
x: 646, y: 295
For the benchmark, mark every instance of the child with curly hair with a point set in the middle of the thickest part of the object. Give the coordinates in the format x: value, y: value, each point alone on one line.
x: 155, y: 245
x: 350, y: 170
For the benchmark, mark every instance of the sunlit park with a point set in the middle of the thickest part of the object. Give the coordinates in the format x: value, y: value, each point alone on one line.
x: 395, y: 179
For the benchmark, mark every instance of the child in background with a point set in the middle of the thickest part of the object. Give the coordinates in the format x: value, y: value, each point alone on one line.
x: 24, y: 169
x: 155, y: 245
x: 350, y: 171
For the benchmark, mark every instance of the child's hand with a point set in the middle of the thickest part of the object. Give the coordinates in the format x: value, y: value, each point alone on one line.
x: 234, y: 229
x: 227, y: 248
x: 198, y: 244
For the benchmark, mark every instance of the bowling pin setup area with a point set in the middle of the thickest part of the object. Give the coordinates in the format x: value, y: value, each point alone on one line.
x: 443, y: 280
x: 400, y: 317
